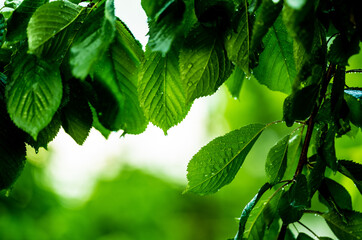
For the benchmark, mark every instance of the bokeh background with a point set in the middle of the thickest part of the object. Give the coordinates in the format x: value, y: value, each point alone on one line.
x: 130, y: 188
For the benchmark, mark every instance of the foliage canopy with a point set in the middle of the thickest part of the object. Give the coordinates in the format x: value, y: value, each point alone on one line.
x: 76, y: 65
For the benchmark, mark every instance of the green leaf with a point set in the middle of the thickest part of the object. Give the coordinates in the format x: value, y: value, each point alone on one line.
x: 294, y: 201
x: 12, y: 150
x: 339, y: 82
x: 336, y: 195
x: 315, y: 174
x: 345, y: 230
x: 93, y: 39
x: 76, y: 116
x: 235, y: 82
x: 327, y: 146
x: 294, y: 151
x: 353, y: 98
x: 2, y: 29
x: 33, y: 94
x: 248, y: 208
x: 217, y: 163
x: 262, y: 217
x: 160, y: 89
x: 116, y: 74
x: 166, y: 27
x: 97, y: 125
x: 342, y: 49
x: 303, y: 236
x: 237, y: 43
x: 299, y: 105
x: 204, y: 65
x: 18, y: 22
x: 47, y: 134
x: 152, y: 7
x: 276, y: 67
x: 353, y: 171
x: 276, y: 162
x: 48, y: 21
x: 268, y: 13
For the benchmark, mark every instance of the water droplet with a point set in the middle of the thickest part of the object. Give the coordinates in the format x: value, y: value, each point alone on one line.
x: 190, y: 65
x: 189, y: 84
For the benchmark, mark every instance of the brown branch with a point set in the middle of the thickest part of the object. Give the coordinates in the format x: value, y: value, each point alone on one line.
x: 311, y: 121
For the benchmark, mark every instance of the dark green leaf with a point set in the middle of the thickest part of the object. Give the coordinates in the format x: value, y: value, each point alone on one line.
x: 93, y: 39
x: 76, y: 116
x: 152, y: 7
x: 247, y: 210
x: 2, y: 29
x: 166, y: 27
x: 12, y: 150
x: 204, y: 65
x: 336, y: 195
x: 294, y: 201
x: 350, y: 230
x: 303, y: 236
x: 276, y: 161
x: 337, y: 92
x: 33, y: 94
x: 217, y: 163
x: 235, y: 82
x: 262, y: 218
x: 315, y: 174
x: 49, y: 20
x: 342, y: 49
x: 268, y: 13
x: 18, y: 21
x: 116, y: 74
x: 276, y: 67
x: 299, y: 105
x: 326, y: 147
x: 353, y: 97
x: 47, y: 134
x: 237, y: 43
x: 294, y: 151
x: 160, y: 89
x: 97, y: 125
x: 353, y: 171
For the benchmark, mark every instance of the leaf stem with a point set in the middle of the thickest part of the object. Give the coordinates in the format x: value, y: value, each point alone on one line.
x: 310, y: 230
x: 311, y: 121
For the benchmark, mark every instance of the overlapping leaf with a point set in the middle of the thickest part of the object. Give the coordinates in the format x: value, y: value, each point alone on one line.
x: 235, y: 82
x: 204, y: 65
x: 93, y: 39
x: 345, y: 230
x: 160, y: 89
x: 217, y: 163
x: 352, y: 170
x: 276, y: 67
x: 33, y: 94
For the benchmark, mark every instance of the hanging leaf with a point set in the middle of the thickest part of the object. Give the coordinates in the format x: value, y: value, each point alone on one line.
x: 33, y: 94
x: 247, y: 210
x: 315, y: 174
x: 335, y: 195
x: 93, y: 39
x: 116, y: 75
x: 345, y: 230
x: 160, y: 89
x: 276, y: 67
x: 353, y: 171
x: 18, y: 22
x: 217, y: 163
x: 276, y: 162
x: 353, y: 98
x: 204, y: 65
x: 235, y: 82
x: 342, y: 49
x: 49, y: 21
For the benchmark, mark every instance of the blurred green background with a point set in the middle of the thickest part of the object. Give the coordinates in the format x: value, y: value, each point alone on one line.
x: 140, y: 205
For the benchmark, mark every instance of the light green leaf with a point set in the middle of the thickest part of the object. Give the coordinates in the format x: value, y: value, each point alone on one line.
x: 276, y: 67
x: 18, y: 22
x: 353, y: 171
x: 204, y: 65
x: 235, y: 82
x: 247, y: 210
x: 237, y: 43
x: 33, y: 94
x: 160, y: 89
x: 276, y: 162
x: 262, y: 217
x: 48, y: 20
x: 350, y: 230
x: 117, y: 74
x: 93, y: 39
x: 217, y: 163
